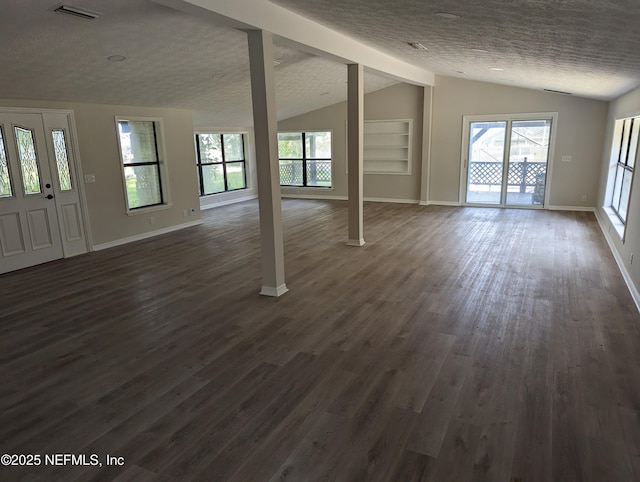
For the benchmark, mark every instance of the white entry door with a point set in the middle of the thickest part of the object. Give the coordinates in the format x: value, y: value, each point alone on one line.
x: 40, y: 216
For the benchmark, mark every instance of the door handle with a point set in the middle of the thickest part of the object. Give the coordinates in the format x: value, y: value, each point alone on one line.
x: 49, y: 196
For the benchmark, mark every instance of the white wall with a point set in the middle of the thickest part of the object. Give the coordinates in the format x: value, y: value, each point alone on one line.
x: 99, y: 155
x: 580, y: 134
x: 400, y: 101
x: 627, y: 105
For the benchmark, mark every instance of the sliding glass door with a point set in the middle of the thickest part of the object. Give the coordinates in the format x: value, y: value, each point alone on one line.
x: 507, y: 159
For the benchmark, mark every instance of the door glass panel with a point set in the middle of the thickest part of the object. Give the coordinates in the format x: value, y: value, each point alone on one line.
x: 62, y: 160
x: 528, y: 154
x: 28, y: 161
x: 5, y: 179
x: 486, y: 154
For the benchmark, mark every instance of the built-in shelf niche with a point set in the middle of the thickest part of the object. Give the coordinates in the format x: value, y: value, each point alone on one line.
x: 387, y: 146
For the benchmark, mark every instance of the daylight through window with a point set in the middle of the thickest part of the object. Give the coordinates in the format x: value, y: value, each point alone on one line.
x: 305, y: 158
x: 624, y: 150
x: 141, y: 163
x: 221, y: 163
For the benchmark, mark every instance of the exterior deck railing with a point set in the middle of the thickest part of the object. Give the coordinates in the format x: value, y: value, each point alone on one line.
x: 318, y: 173
x: 521, y: 174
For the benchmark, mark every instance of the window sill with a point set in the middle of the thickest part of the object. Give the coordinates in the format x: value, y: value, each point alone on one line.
x: 615, y: 222
x: 150, y: 209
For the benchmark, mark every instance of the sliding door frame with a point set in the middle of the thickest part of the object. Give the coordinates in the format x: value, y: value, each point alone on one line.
x: 509, y: 119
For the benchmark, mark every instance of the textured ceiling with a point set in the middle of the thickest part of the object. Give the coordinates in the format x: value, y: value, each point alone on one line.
x: 173, y: 60
x: 590, y: 48
x: 585, y: 47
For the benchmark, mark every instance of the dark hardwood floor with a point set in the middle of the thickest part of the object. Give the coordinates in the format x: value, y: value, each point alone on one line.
x: 458, y: 344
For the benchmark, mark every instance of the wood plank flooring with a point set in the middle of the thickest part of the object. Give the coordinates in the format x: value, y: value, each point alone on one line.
x: 457, y: 344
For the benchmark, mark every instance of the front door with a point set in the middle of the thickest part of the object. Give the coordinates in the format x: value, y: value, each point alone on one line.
x: 37, y: 175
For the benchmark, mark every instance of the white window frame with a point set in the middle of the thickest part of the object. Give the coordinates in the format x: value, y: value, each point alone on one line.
x: 162, y: 166
x: 464, y: 154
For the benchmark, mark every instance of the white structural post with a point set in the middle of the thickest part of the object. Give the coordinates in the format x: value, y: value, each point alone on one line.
x: 263, y: 93
x: 355, y: 135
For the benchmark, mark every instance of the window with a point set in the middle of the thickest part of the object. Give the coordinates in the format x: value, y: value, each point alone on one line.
x: 28, y: 160
x: 142, y: 162
x: 623, y: 153
x: 221, y: 163
x: 305, y: 158
x: 62, y: 159
x: 5, y: 178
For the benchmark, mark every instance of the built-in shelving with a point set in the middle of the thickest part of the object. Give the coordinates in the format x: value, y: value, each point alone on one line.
x: 387, y: 146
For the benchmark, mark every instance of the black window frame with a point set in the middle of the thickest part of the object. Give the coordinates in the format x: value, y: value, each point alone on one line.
x: 625, y: 154
x: 305, y: 158
x: 156, y: 163
x: 224, y: 162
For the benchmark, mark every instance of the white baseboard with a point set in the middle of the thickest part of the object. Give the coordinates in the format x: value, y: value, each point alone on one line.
x: 623, y: 270
x: 439, y: 203
x: 588, y: 209
x: 150, y: 234
x: 314, y: 196
x: 225, y: 202
x: 389, y: 200
x: 345, y: 198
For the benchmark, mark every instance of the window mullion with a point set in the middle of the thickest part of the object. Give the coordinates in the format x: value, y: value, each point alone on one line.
x: 199, y: 162
x: 224, y: 164
x: 304, y: 160
x: 157, y: 163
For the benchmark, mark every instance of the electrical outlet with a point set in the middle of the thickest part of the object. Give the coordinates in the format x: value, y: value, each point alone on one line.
x: 584, y: 197
x: 631, y: 262
x: 152, y: 220
x: 185, y: 212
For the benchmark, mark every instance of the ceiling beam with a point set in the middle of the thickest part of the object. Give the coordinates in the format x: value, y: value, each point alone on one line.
x: 297, y: 31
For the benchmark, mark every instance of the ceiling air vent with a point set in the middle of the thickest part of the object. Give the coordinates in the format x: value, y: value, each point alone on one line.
x: 417, y: 46
x: 557, y: 92
x: 77, y: 12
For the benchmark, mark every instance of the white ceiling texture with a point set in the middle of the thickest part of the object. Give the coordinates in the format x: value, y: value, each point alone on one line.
x: 174, y: 59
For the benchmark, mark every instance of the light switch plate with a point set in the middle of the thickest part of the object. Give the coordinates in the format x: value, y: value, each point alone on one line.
x: 566, y: 158
x: 89, y: 178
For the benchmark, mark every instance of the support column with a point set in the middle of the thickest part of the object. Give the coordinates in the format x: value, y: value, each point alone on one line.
x: 355, y: 118
x: 427, y: 113
x: 263, y: 93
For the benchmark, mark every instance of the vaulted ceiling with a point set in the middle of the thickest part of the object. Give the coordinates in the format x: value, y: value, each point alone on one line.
x: 175, y: 59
